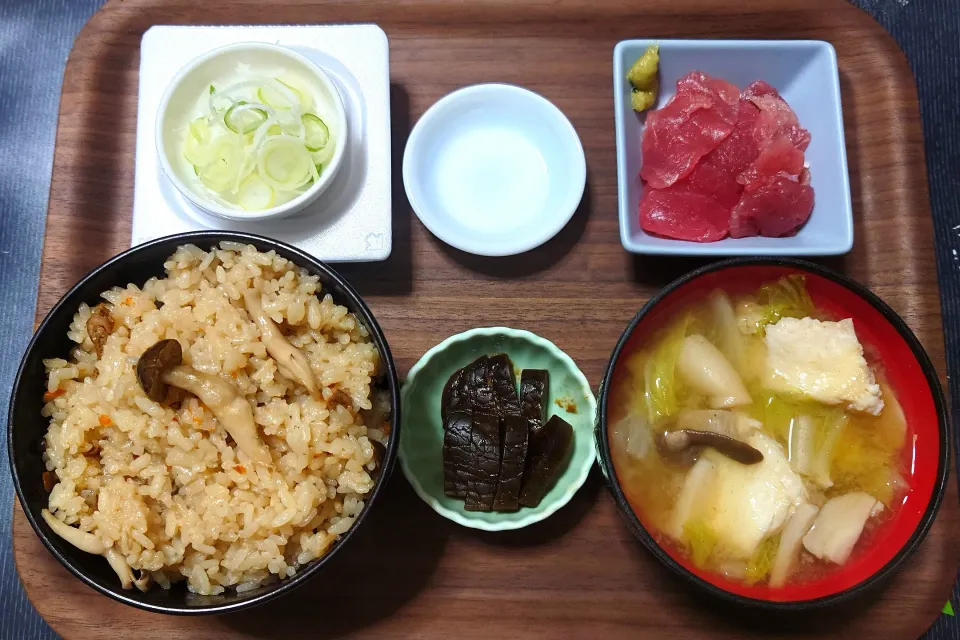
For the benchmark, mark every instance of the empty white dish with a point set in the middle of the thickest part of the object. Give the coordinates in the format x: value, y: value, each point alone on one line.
x: 806, y: 75
x: 494, y: 169
x: 188, y: 89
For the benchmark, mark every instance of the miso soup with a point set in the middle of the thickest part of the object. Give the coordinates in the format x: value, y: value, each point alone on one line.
x: 756, y: 437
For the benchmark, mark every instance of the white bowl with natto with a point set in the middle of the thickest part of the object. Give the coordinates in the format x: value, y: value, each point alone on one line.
x: 187, y: 90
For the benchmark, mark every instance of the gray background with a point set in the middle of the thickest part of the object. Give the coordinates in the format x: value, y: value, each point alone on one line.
x: 36, y: 36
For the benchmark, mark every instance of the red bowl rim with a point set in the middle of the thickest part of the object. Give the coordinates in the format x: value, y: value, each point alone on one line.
x: 936, y: 391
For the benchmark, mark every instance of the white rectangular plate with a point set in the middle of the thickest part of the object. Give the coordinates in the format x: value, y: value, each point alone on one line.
x: 806, y: 75
x: 351, y: 221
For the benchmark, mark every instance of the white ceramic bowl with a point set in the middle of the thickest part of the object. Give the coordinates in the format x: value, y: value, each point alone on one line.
x: 180, y: 105
x: 494, y: 169
x: 806, y: 75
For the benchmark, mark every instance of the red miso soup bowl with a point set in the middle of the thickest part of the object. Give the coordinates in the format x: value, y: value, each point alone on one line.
x: 889, y: 344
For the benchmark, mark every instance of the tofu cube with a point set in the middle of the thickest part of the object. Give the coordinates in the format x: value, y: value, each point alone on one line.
x: 822, y: 361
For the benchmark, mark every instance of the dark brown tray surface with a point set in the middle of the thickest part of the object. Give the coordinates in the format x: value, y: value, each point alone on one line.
x: 410, y: 573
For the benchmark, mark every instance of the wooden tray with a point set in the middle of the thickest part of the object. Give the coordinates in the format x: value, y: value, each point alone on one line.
x: 410, y: 573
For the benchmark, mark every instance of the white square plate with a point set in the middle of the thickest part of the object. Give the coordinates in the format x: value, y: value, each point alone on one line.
x: 806, y: 75
x: 352, y: 220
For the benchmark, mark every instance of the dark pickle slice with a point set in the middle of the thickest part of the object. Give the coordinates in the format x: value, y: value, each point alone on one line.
x: 512, y: 464
x: 456, y: 396
x: 504, y: 384
x: 549, y: 451
x: 483, y: 399
x: 484, y: 463
x: 457, y: 437
x: 534, y: 388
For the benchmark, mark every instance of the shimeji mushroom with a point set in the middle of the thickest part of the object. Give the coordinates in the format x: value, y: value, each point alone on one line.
x: 160, y: 366
x: 290, y: 360
x: 99, y: 327
x: 80, y: 539
x: 91, y: 544
x: 676, y: 442
x: 119, y: 564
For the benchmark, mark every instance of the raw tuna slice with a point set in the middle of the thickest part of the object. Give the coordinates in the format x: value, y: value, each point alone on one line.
x: 780, y: 156
x: 699, y: 82
x: 693, y: 123
x: 712, y: 181
x: 740, y: 148
x: 759, y: 88
x: 716, y: 174
x: 714, y: 177
x: 776, y: 208
x: 780, y: 139
x: 684, y: 215
x: 777, y: 120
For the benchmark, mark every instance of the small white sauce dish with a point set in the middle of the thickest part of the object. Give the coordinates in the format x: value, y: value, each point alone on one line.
x: 188, y: 89
x: 494, y: 169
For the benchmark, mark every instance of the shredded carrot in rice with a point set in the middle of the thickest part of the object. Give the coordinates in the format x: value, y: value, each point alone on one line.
x: 240, y: 468
x: 51, y: 395
x: 197, y: 420
x: 128, y: 300
x: 105, y: 420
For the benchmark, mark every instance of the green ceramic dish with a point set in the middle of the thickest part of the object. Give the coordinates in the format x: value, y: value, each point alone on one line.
x: 421, y: 436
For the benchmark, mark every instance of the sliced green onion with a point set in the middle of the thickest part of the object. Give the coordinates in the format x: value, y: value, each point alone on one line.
x: 279, y: 95
x: 304, y: 94
x: 296, y: 92
x: 196, y: 148
x: 316, y: 132
x: 200, y: 129
x: 220, y: 172
x: 260, y: 141
x: 284, y: 163
x: 243, y: 118
x: 255, y: 194
x: 219, y: 103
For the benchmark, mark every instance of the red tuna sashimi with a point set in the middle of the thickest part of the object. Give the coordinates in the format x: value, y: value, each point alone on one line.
x: 712, y: 181
x: 740, y: 148
x: 777, y: 119
x: 714, y: 177
x: 716, y: 174
x: 683, y: 215
x: 776, y: 208
x: 693, y: 123
x: 780, y: 138
x: 759, y: 88
x: 779, y: 157
x: 699, y: 82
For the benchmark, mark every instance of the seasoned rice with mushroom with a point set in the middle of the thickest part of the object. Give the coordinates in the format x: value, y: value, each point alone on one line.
x: 163, y: 487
